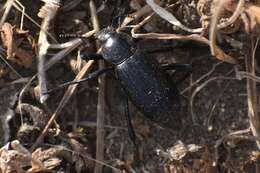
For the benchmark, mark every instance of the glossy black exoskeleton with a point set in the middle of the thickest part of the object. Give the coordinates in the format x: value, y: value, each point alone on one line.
x: 145, y: 82
x: 148, y: 86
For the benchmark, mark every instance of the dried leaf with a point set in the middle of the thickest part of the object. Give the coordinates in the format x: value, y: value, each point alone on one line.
x: 8, y: 40
x: 179, y: 150
x: 18, y: 158
x: 254, y: 13
x: 23, y: 57
x: 14, y: 160
x: 13, y: 52
x: 169, y: 17
x: 43, y: 161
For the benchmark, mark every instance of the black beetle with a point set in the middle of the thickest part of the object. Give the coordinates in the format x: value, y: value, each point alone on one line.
x: 145, y: 82
x: 148, y: 85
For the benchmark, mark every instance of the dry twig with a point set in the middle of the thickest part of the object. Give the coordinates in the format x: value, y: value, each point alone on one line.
x: 100, y: 132
x: 193, y: 37
x: 47, y: 12
x: 254, y: 118
x: 8, y: 7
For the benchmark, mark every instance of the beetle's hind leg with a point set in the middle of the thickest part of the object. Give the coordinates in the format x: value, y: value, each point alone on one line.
x: 186, y: 68
x: 132, y: 133
x: 130, y: 128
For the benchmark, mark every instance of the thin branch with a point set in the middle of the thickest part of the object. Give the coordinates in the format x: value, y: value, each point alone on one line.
x: 202, y: 77
x: 254, y: 118
x: 100, y: 132
x: 9, y: 5
x: 47, y: 12
x: 192, y: 37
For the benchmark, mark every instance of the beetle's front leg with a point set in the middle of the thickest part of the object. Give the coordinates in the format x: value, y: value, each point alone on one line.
x: 90, y: 56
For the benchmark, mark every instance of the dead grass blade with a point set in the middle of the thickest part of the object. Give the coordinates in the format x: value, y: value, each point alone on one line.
x: 47, y: 13
x: 100, y: 132
x: 252, y: 95
x: 170, y: 17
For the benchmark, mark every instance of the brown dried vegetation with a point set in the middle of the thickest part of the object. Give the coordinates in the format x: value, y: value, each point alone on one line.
x: 83, y: 129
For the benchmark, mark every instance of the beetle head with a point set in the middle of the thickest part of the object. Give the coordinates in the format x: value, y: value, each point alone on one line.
x: 115, y: 47
x: 104, y: 34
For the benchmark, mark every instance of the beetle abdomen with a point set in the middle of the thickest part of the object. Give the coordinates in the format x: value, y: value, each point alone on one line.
x: 150, y: 89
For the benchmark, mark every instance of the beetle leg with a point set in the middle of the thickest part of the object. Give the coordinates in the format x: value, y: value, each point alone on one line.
x: 178, y: 67
x: 90, y: 56
x: 90, y: 76
x: 131, y: 130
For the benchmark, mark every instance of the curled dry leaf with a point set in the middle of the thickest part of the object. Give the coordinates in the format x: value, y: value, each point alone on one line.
x: 179, y: 150
x: 255, y: 155
x: 13, y: 160
x: 15, y: 53
x: 8, y: 40
x: 44, y: 160
x: 253, y: 12
x: 20, y: 160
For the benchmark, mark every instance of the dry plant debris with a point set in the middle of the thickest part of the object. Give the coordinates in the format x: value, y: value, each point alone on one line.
x: 45, y: 133
x: 12, y: 41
